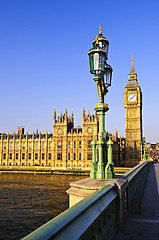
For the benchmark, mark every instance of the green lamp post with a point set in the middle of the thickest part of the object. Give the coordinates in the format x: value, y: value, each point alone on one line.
x: 144, y: 142
x: 102, y: 72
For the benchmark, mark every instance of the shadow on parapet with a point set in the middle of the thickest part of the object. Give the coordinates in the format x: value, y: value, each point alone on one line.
x: 143, y: 216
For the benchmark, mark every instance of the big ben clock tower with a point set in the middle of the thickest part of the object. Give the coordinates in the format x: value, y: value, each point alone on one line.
x: 133, y: 119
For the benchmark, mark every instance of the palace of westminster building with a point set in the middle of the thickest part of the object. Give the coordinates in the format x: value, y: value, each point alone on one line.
x: 70, y: 148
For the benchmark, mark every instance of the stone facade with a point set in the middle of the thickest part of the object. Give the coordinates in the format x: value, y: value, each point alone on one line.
x: 133, y: 119
x: 66, y: 148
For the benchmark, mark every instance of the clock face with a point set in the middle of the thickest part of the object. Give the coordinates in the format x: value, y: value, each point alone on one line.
x: 131, y: 97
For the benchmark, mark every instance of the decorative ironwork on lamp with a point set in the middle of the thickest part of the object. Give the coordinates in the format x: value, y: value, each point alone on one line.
x: 98, y: 56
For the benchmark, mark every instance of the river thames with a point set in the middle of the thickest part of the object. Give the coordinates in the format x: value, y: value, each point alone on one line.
x: 27, y: 201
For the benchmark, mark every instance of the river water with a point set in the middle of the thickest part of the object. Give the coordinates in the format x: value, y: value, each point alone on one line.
x: 27, y: 201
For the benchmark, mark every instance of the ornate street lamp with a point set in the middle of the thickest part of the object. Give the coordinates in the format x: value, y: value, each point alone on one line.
x: 102, y: 72
x: 144, y: 144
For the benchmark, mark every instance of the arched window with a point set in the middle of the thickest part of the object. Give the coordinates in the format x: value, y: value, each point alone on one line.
x: 89, y: 130
x: 59, y: 144
x: 88, y: 144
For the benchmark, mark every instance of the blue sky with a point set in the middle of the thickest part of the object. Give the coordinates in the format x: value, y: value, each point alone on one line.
x: 44, y: 64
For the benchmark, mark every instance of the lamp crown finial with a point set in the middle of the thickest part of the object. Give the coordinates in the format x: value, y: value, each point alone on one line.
x: 97, y: 40
x: 100, y: 30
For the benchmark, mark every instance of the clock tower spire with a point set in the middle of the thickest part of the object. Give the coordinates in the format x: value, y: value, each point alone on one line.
x: 133, y: 119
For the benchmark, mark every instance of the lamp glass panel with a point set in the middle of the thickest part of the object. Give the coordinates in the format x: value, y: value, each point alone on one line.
x: 91, y: 62
x: 96, y: 61
x: 104, y: 46
x: 108, y: 76
x: 106, y: 49
x: 100, y: 44
x: 101, y: 61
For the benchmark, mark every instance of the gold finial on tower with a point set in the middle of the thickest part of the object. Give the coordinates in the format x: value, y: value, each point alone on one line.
x: 100, y: 30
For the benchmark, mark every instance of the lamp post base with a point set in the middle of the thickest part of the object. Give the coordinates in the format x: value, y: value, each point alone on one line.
x: 100, y: 171
x: 144, y: 157
x: 93, y: 171
x: 109, y: 171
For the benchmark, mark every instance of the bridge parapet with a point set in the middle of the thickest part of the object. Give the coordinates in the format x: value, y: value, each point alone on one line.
x: 134, y: 177
x: 96, y: 216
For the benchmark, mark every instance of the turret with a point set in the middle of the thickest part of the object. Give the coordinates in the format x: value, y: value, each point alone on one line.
x: 54, y: 116
x: 65, y: 116
x: 83, y: 115
x: 116, y: 136
x: 64, y: 123
x: 20, y: 130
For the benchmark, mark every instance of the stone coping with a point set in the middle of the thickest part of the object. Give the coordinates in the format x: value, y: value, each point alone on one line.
x: 87, y: 186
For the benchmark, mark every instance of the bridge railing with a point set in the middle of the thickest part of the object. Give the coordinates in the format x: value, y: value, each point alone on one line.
x: 134, y: 176
x: 91, y: 218
x: 96, y: 216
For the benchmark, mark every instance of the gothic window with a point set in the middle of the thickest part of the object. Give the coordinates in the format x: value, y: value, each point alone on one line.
x: 43, y: 156
x: 29, y: 155
x: 23, y: 145
x: 4, y: 156
x: 30, y: 145
x: 89, y: 156
x: 43, y: 145
x: 88, y: 144
x: 17, y: 146
x: 36, y: 146
x: 5, y: 146
x: 23, y: 155
x: 59, y: 156
x: 89, y: 130
x: 74, y: 156
x: 49, y: 145
x: 74, y: 144
x: 69, y: 144
x: 134, y: 113
x: 130, y: 124
x: 79, y: 156
x: 10, y: 155
x: 79, y: 144
x: 11, y: 146
x: 68, y: 156
x: 59, y: 144
x: 129, y: 114
x: 60, y: 131
x: 49, y: 156
x: 36, y: 155
x: 16, y: 156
